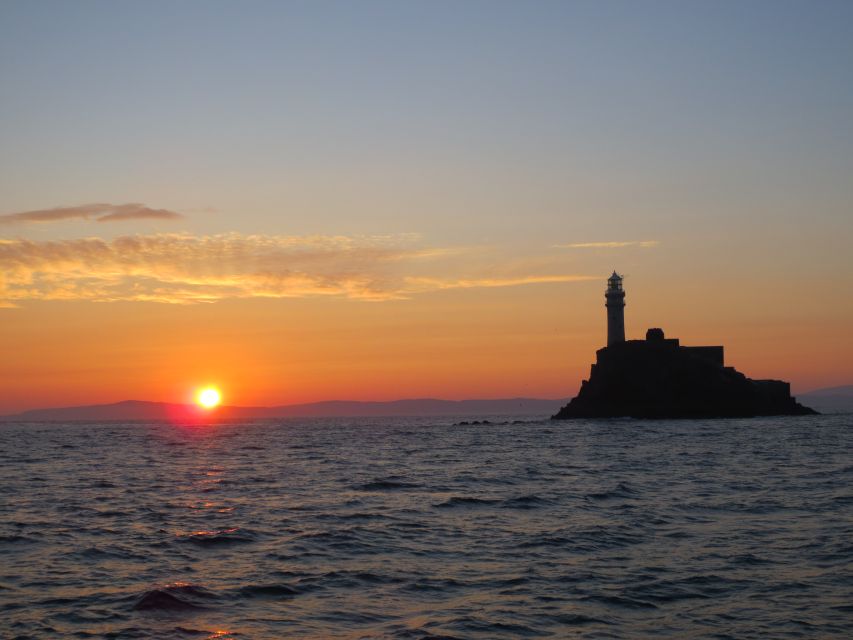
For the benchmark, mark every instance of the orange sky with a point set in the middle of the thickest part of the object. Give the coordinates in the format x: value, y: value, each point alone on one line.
x: 534, y: 340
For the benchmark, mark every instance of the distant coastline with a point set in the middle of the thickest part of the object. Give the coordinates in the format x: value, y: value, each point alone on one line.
x: 145, y: 410
x: 829, y: 400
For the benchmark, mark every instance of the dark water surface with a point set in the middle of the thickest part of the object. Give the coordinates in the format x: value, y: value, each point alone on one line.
x: 414, y: 528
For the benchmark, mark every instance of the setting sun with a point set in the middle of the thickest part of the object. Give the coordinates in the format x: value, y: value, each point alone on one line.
x: 209, y: 397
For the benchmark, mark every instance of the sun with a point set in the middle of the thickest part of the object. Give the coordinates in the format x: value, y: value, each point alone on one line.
x: 208, y: 397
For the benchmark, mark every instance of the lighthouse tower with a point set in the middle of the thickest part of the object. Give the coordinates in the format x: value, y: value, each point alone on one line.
x: 615, y: 304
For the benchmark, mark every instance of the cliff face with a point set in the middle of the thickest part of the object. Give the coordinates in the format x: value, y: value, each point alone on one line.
x: 657, y: 378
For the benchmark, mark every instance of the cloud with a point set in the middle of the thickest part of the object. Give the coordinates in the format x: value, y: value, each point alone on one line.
x: 608, y: 245
x: 99, y: 212
x: 434, y: 284
x: 184, y: 268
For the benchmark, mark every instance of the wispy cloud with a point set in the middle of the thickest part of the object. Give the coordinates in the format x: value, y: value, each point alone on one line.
x: 608, y: 245
x: 183, y: 268
x: 433, y: 284
x: 101, y: 212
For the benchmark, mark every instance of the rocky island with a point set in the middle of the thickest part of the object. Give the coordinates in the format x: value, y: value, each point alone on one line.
x: 659, y: 378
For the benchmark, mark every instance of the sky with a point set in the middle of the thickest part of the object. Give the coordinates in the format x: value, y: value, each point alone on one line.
x: 300, y: 201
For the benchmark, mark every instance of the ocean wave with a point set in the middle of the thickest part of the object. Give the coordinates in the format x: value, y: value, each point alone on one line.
x: 385, y: 485
x: 621, y: 490
x: 620, y: 602
x: 221, y: 537
x: 269, y: 590
x: 466, y: 501
x: 15, y: 538
x: 178, y: 596
x: 531, y: 501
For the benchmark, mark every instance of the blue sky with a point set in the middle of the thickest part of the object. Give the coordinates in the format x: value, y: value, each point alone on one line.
x: 417, y: 114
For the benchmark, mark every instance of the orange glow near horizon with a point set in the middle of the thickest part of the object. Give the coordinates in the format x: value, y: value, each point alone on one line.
x: 535, y: 341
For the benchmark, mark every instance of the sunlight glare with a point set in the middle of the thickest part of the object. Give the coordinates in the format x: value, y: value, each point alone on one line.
x: 209, y: 397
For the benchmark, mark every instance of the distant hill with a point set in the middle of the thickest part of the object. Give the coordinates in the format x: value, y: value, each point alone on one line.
x: 143, y: 410
x: 830, y: 399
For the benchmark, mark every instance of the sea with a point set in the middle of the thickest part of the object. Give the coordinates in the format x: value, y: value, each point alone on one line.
x: 424, y: 528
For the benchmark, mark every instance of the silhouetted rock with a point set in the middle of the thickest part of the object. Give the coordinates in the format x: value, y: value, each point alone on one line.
x: 658, y: 378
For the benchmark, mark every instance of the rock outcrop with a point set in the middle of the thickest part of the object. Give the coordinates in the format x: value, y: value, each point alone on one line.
x: 658, y: 378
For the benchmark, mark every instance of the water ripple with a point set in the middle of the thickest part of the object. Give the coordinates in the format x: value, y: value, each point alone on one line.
x: 426, y: 529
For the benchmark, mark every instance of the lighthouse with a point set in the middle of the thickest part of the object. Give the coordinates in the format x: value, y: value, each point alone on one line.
x: 615, y: 304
